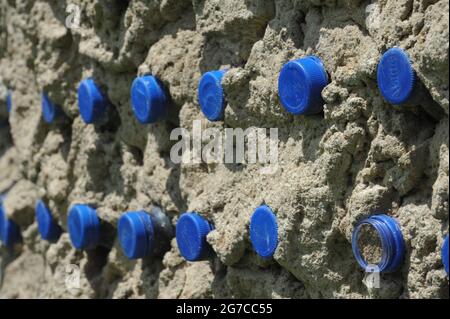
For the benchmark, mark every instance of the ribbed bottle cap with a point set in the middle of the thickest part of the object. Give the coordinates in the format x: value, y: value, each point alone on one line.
x: 136, y: 234
x: 264, y: 231
x: 2, y: 216
x: 396, y: 76
x: 91, y: 102
x: 148, y: 99
x: 9, y: 101
x: 84, y: 226
x: 48, y: 227
x: 300, y: 86
x: 211, y: 95
x: 9, y: 230
x: 392, y: 242
x: 445, y: 254
x: 50, y: 111
x: 191, y: 232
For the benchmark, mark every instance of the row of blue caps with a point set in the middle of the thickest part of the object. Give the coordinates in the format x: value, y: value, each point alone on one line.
x: 300, y: 86
x: 138, y: 233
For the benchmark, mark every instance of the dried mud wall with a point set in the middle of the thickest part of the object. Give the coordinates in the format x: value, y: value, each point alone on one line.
x: 359, y: 157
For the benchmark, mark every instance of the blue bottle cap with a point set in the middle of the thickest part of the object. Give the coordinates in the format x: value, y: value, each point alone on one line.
x: 91, y: 102
x: 392, y: 243
x: 148, y: 99
x: 9, y: 230
x: 48, y: 227
x: 9, y: 101
x: 136, y: 234
x: 396, y: 77
x: 211, y: 95
x: 445, y: 254
x: 191, y: 232
x: 2, y: 216
x: 84, y: 226
x: 264, y: 231
x: 50, y: 111
x: 300, y: 86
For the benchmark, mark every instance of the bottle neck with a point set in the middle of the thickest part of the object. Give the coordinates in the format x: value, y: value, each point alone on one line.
x: 163, y: 231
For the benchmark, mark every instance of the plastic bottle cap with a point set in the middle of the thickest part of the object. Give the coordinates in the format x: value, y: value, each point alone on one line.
x: 9, y: 101
x: 9, y: 230
x: 300, y: 86
x: 148, y: 99
x: 91, y: 102
x: 2, y: 218
x: 49, y: 110
x: 211, y: 96
x: 84, y: 226
x: 396, y: 76
x: 191, y: 232
x: 392, y: 242
x: 2, y: 214
x: 136, y: 234
x: 264, y: 231
x: 48, y: 228
x: 445, y: 254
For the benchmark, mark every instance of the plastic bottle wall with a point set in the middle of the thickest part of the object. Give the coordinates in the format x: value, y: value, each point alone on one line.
x: 361, y: 155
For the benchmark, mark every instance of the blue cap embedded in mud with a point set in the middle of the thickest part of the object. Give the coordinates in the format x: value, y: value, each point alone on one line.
x: 2, y: 216
x: 148, y: 99
x: 264, y: 231
x: 48, y: 227
x: 50, y: 111
x: 91, y: 102
x: 300, y: 86
x: 396, y: 76
x: 445, y: 254
x: 392, y: 243
x: 9, y: 101
x: 136, y: 234
x: 191, y: 232
x: 84, y: 226
x: 9, y: 230
x: 211, y: 95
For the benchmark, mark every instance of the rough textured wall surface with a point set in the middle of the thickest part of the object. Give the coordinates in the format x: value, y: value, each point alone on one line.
x: 359, y: 157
